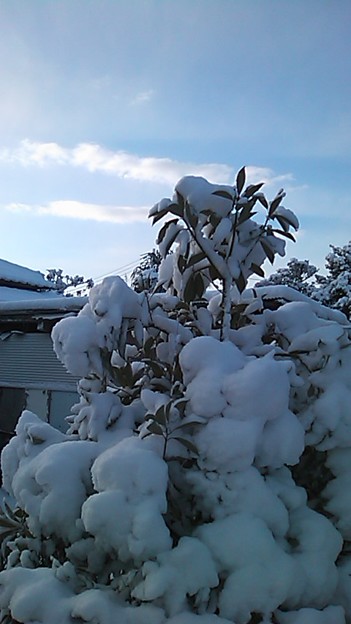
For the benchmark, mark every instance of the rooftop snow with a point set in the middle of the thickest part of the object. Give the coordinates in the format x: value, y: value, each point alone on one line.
x: 13, y: 300
x: 15, y: 274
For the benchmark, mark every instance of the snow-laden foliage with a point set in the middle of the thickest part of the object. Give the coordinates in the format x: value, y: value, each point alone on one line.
x: 69, y: 284
x: 332, y: 289
x: 297, y: 274
x: 204, y: 477
x: 145, y: 275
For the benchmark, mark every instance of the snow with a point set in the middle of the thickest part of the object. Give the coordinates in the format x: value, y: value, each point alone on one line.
x: 239, y: 423
x: 187, y: 569
x: 10, y: 272
x: 33, y: 479
x: 15, y: 300
x: 78, y: 340
x: 15, y: 295
x: 180, y: 493
x: 131, y: 483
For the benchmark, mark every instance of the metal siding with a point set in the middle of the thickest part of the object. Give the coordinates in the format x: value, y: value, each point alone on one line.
x: 30, y: 359
x: 60, y: 408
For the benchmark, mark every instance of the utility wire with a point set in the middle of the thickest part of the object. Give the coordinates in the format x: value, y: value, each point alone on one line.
x: 123, y: 270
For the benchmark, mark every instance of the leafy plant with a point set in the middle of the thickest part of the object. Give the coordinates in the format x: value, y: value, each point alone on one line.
x: 203, y: 466
x: 219, y: 242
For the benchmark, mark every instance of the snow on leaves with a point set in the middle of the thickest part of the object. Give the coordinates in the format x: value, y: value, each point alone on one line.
x: 204, y: 475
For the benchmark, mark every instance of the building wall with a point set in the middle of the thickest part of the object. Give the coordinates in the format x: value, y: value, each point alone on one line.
x: 28, y: 359
x: 31, y: 377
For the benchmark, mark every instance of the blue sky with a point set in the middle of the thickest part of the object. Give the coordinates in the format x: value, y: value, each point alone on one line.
x: 105, y: 104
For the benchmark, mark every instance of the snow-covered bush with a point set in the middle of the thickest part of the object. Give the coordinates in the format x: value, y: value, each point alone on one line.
x: 205, y: 472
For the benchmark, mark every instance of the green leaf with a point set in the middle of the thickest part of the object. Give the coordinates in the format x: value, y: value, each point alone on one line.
x: 128, y: 372
x: 245, y: 214
x: 137, y: 376
x: 215, y: 220
x: 240, y: 283
x: 224, y: 194
x: 198, y: 257
x: 274, y: 204
x: 255, y: 268
x: 190, y: 290
x: 252, y: 188
x: 163, y: 230
x: 191, y: 217
x: 286, y: 234
x: 160, y: 416
x: 170, y: 242
x: 176, y: 210
x: 159, y: 215
x: 267, y: 250
x: 156, y: 368
x: 187, y: 425
x: 180, y: 404
x: 284, y: 224
x: 123, y: 375
x: 261, y: 198
x: 214, y: 273
x: 148, y: 346
x: 194, y: 287
x: 240, y: 180
x: 190, y: 446
x: 153, y: 427
x: 199, y: 285
x: 181, y: 263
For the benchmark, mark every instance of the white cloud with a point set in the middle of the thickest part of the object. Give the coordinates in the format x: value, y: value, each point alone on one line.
x: 40, y: 154
x: 95, y: 158
x: 143, y: 97
x: 79, y: 210
x: 268, y: 176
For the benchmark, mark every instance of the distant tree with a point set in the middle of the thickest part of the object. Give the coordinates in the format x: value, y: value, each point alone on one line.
x: 63, y: 282
x: 297, y: 274
x: 332, y: 290
x: 145, y: 275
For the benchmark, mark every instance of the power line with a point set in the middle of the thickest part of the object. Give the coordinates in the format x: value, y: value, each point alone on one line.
x: 124, y: 269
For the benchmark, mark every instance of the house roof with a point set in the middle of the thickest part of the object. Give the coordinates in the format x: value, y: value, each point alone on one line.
x: 27, y: 297
x: 16, y: 276
x: 11, y: 295
x: 45, y: 304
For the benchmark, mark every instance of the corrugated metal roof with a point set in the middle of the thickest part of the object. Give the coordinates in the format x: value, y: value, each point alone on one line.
x: 29, y: 360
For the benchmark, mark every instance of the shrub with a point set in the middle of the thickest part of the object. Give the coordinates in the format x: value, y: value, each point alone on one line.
x: 203, y: 477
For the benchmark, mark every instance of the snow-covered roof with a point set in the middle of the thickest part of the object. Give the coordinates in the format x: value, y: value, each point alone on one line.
x: 39, y: 302
x: 24, y: 292
x: 47, y: 305
x: 11, y: 295
x: 14, y: 275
